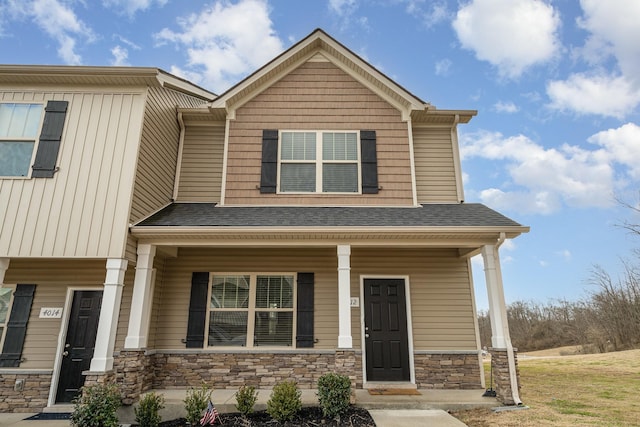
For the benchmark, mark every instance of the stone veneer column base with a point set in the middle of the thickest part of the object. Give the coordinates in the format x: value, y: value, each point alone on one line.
x: 447, y: 371
x: 134, y: 374
x: 501, y: 378
x: 33, y: 396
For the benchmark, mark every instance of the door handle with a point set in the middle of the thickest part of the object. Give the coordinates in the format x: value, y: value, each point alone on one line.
x: 366, y: 335
x: 65, y: 353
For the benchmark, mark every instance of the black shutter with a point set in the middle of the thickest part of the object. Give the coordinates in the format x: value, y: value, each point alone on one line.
x: 269, y: 175
x: 304, y: 323
x: 197, y: 310
x: 369, y: 162
x: 45, y: 164
x: 17, y: 326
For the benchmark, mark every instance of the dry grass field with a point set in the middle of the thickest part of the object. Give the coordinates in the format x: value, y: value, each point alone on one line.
x: 573, y: 390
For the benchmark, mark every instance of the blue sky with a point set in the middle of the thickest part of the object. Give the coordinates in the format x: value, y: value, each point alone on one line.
x: 556, y: 84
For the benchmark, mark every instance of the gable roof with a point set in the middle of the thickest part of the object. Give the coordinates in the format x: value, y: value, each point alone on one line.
x: 99, y: 76
x: 320, y: 44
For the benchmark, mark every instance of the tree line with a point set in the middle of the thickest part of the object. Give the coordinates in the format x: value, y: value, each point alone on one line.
x: 607, y: 319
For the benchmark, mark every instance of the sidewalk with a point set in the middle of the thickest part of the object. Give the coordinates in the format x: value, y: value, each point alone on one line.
x: 428, y: 408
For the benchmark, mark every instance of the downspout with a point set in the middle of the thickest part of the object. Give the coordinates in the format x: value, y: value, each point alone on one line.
x: 511, y: 358
x: 176, y: 181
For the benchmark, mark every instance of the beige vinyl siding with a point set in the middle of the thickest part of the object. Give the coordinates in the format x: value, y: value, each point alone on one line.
x: 201, y: 168
x: 317, y: 96
x: 173, y: 292
x: 158, y: 155
x: 52, y: 279
x: 441, y: 293
x: 434, y: 162
x: 83, y: 210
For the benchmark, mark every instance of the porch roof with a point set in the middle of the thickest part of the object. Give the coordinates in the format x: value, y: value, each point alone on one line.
x: 450, y: 216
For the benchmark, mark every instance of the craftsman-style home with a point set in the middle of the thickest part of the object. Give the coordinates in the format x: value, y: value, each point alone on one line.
x: 310, y: 219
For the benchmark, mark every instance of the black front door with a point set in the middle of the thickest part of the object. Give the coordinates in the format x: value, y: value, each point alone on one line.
x: 385, y: 320
x: 79, y: 343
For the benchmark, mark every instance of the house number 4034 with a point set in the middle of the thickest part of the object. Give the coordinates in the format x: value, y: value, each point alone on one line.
x: 50, y: 313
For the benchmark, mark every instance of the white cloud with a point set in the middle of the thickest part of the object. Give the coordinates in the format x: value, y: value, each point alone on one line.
x: 434, y: 12
x: 623, y: 146
x: 224, y: 42
x: 342, y: 7
x: 58, y: 21
x: 614, y: 29
x: 130, y: 7
x: 120, y: 56
x: 506, y: 107
x: 443, y: 66
x: 513, y: 35
x: 542, y: 180
x: 613, y: 33
x: 602, y: 95
x: 564, y: 254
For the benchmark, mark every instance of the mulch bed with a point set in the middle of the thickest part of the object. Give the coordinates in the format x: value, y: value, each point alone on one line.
x: 307, y: 417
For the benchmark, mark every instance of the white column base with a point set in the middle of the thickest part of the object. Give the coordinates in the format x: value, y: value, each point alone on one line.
x: 345, y: 342
x: 344, y: 297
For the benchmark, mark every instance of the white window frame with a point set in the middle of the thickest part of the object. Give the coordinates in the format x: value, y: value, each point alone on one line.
x: 35, y: 139
x: 9, y: 307
x: 319, y: 162
x: 251, y: 310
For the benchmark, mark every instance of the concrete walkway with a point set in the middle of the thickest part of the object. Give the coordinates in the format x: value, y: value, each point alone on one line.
x: 429, y: 408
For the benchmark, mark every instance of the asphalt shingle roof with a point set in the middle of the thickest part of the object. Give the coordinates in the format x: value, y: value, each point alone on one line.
x: 432, y: 215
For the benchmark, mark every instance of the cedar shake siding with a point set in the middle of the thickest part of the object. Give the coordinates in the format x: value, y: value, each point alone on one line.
x: 317, y: 96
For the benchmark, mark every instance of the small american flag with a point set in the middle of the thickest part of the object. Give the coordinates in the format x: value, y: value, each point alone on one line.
x: 210, y: 416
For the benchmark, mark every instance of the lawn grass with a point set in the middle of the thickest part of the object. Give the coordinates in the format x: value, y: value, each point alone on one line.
x: 577, y: 390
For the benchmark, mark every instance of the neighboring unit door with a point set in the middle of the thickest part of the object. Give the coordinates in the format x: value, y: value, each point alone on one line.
x: 79, y: 343
x: 386, y: 339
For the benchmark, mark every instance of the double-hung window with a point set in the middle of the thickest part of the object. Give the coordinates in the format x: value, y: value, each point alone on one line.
x: 19, y: 125
x: 5, y: 308
x: 251, y: 310
x: 319, y: 162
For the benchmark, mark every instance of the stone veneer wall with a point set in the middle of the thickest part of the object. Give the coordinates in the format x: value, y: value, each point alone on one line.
x: 262, y: 370
x: 501, y: 379
x: 450, y: 371
x: 32, y: 398
x: 134, y: 374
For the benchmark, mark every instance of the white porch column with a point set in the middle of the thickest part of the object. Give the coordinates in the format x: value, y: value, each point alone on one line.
x: 497, y: 306
x: 344, y: 297
x: 4, y: 266
x: 142, y: 299
x: 108, y: 324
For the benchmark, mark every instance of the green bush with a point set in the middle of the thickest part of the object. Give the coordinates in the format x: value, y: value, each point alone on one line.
x: 334, y: 392
x: 147, y: 410
x: 96, y: 406
x: 196, y: 402
x: 284, y: 402
x: 246, y: 398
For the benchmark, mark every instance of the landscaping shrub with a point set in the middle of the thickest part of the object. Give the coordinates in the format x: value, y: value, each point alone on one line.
x: 246, y: 398
x: 96, y: 406
x: 334, y: 392
x: 147, y: 410
x: 284, y: 402
x: 196, y: 402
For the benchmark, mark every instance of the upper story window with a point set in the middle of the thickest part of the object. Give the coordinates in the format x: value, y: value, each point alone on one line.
x: 19, y: 125
x: 319, y: 162
x: 251, y: 310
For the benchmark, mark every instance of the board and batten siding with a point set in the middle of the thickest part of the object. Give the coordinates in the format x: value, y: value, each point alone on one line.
x: 172, y: 293
x: 200, y: 177
x: 434, y: 163
x: 318, y: 96
x: 440, y: 288
x: 52, y: 279
x: 83, y: 211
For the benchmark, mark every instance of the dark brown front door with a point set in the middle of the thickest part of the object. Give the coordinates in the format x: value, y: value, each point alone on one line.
x: 79, y: 343
x: 385, y: 320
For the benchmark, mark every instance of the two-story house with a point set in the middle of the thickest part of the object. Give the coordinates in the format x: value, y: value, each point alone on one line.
x: 310, y: 219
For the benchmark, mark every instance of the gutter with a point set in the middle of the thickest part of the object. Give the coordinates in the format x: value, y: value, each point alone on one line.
x: 511, y: 358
